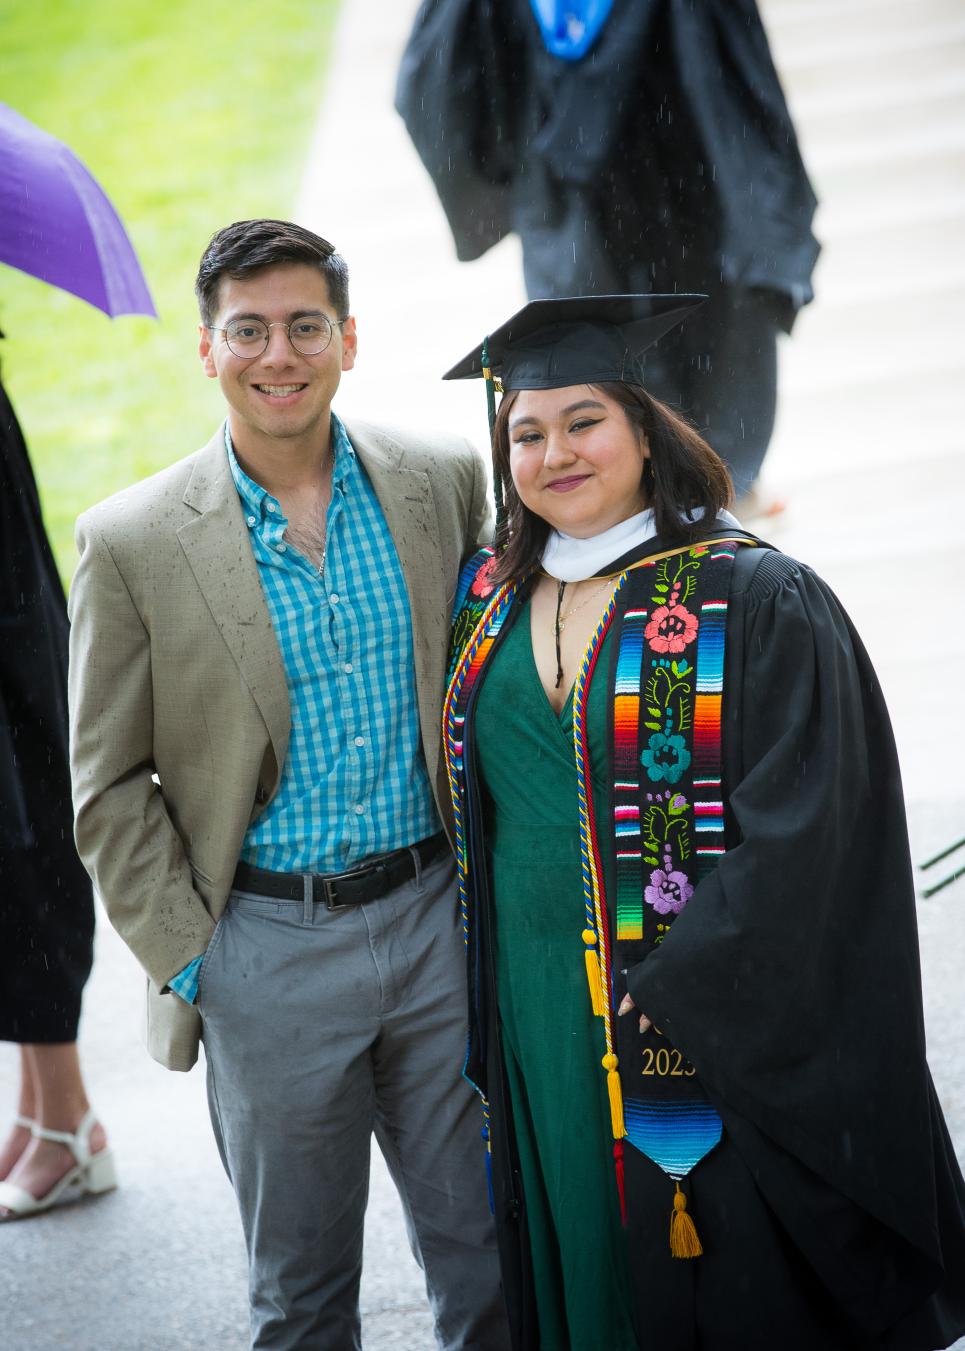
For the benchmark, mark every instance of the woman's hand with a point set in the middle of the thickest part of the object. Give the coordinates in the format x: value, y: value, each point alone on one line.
x: 625, y: 1007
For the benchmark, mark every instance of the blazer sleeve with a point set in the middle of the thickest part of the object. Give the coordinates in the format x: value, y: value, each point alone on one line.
x: 481, y: 516
x: 124, y: 834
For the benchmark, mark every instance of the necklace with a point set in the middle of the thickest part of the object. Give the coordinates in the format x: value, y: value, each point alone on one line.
x: 561, y: 619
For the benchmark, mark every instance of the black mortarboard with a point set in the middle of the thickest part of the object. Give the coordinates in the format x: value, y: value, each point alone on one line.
x: 579, y: 340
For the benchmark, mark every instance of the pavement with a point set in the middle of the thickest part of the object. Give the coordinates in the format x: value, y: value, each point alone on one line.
x: 869, y: 454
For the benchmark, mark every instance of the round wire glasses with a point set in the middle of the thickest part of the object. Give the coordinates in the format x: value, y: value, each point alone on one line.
x: 309, y: 334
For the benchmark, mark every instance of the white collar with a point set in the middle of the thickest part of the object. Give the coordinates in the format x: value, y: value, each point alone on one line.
x: 570, y: 559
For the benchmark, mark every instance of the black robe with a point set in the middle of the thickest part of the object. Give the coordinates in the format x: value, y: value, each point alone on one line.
x: 664, y: 159
x: 833, y: 1212
x: 46, y: 903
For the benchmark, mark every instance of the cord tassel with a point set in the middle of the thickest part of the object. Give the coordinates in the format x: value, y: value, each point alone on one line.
x: 610, y: 1063
x: 591, y: 957
x: 621, y: 1189
x: 683, y: 1236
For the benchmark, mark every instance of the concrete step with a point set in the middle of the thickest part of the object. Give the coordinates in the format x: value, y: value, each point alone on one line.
x: 847, y: 218
x: 810, y: 84
x: 834, y: 132
x: 901, y: 424
x: 868, y: 94
x: 885, y: 191
x: 829, y: 53
x: 901, y: 259
x: 837, y: 345
x: 787, y: 20
x: 885, y: 147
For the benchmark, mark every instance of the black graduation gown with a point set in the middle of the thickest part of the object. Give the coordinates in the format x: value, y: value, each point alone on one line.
x: 833, y: 1212
x: 664, y: 159
x: 46, y: 903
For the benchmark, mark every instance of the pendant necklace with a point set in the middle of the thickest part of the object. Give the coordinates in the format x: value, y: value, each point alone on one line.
x: 561, y: 619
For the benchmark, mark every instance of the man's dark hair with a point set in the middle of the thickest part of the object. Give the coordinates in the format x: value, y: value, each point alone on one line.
x: 249, y: 246
x: 682, y: 478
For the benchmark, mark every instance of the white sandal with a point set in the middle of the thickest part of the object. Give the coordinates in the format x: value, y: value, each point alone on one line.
x: 91, y: 1173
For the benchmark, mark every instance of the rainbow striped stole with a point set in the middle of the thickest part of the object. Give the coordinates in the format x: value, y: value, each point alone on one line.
x: 668, y: 821
x: 667, y: 827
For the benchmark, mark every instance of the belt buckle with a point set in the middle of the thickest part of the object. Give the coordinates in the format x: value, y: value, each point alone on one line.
x: 329, y: 884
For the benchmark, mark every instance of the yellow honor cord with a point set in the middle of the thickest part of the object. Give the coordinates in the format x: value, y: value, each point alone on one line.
x: 592, y: 973
x: 615, y: 1093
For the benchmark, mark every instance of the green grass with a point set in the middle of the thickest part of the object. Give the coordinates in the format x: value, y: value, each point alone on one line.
x: 190, y: 116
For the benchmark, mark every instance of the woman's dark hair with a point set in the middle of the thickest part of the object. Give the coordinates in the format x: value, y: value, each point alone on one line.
x: 684, y: 481
x: 249, y: 246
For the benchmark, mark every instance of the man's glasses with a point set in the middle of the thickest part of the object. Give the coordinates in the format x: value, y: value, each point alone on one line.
x: 309, y: 335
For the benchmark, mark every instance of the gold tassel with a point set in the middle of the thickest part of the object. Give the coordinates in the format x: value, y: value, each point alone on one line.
x: 683, y: 1236
x: 610, y: 1063
x: 593, y: 972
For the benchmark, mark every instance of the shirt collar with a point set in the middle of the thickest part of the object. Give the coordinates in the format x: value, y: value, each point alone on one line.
x: 570, y: 559
x: 255, y: 498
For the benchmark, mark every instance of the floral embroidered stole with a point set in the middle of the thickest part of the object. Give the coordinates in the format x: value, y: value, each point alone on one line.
x: 667, y: 818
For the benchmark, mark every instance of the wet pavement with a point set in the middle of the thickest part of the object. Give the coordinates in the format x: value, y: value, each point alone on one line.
x: 868, y: 452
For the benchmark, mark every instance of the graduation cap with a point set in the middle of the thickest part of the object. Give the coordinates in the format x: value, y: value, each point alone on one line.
x: 576, y: 340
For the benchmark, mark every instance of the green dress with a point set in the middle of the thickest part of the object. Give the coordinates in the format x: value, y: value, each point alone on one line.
x: 552, y: 1043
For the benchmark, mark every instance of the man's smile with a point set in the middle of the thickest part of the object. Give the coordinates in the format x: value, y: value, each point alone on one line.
x: 280, y: 391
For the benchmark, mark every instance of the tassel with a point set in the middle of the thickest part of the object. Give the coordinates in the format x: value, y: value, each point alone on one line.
x: 610, y: 1063
x: 621, y: 1190
x: 593, y: 972
x: 683, y: 1236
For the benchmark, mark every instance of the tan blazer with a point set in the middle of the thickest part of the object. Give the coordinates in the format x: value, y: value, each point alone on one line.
x: 178, y: 703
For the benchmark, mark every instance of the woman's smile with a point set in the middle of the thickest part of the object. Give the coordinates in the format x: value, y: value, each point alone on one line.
x: 566, y: 485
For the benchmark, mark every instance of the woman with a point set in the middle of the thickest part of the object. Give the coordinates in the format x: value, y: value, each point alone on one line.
x: 696, y: 1014
x: 56, y: 1149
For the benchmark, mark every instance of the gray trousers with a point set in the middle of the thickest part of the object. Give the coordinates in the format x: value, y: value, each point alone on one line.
x: 321, y: 1027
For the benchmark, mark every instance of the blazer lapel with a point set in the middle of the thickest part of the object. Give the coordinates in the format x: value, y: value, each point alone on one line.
x: 219, y: 553
x: 405, y: 496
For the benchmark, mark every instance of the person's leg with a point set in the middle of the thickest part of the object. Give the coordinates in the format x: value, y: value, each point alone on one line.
x: 428, y: 1119
x: 19, y: 1137
x: 58, y: 1102
x: 289, y: 1000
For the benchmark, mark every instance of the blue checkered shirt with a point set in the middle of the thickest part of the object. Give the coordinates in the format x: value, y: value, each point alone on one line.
x: 354, y: 782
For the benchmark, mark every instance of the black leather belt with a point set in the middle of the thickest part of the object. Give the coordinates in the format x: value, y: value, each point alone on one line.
x: 368, y: 882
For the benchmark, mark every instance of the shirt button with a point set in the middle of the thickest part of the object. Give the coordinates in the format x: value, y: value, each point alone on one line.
x: 348, y: 668
x: 271, y: 506
x: 359, y: 809
x: 360, y: 741
x: 334, y: 597
x: 282, y: 548
x: 252, y: 520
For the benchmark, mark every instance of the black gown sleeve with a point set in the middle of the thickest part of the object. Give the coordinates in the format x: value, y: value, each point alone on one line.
x: 791, y: 980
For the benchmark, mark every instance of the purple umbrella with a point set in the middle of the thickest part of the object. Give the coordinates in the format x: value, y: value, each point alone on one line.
x: 57, y: 224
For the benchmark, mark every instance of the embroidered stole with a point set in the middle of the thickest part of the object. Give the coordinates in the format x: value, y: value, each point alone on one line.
x: 667, y: 830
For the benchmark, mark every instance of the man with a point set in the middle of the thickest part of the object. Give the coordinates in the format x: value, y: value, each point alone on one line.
x: 257, y: 664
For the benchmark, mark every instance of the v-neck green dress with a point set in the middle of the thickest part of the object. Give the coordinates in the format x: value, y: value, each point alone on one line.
x: 552, y: 1043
